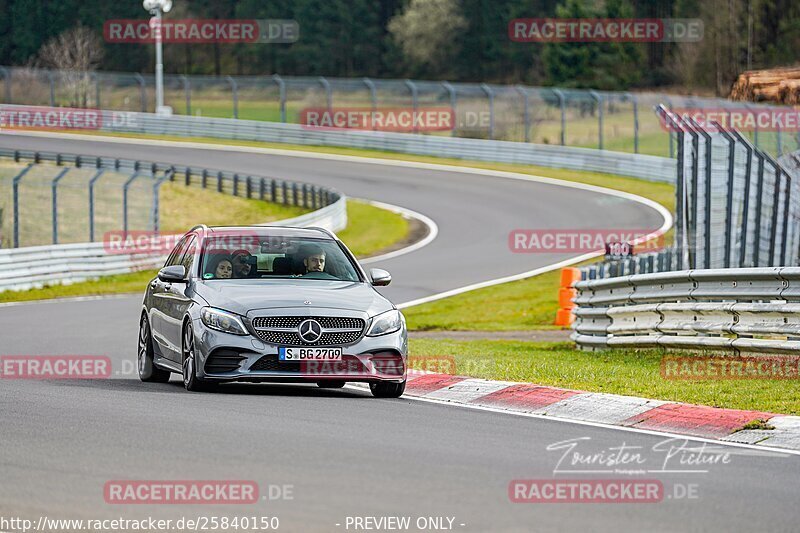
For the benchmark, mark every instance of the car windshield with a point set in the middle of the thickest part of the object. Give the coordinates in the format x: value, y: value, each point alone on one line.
x: 249, y: 255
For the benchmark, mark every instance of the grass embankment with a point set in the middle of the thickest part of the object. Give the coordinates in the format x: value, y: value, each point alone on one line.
x: 369, y: 230
x: 629, y: 372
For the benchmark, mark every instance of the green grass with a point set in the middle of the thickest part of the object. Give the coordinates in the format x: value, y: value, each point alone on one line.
x: 630, y: 372
x: 370, y: 229
x: 215, y: 209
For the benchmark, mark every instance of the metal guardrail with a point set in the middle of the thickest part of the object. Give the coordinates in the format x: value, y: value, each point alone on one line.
x: 646, y: 167
x: 731, y: 310
x: 36, y: 266
x: 519, y: 113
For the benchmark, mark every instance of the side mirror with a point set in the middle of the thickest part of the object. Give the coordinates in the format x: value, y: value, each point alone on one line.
x: 172, y: 274
x: 380, y: 277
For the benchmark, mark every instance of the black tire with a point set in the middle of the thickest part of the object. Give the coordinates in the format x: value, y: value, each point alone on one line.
x: 148, y: 371
x: 383, y: 389
x: 191, y: 382
x: 333, y: 384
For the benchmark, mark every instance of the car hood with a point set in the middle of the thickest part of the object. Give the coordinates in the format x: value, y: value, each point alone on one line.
x: 243, y: 296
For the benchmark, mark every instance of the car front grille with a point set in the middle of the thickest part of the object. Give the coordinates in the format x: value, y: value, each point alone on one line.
x: 282, y: 330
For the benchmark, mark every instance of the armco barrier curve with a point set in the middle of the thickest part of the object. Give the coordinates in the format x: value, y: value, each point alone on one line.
x: 732, y: 310
x: 36, y: 266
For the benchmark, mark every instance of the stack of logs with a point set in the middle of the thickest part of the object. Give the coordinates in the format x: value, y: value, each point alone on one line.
x: 780, y: 86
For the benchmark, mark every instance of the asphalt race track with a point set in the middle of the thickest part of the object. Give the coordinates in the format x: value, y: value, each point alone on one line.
x: 344, y: 453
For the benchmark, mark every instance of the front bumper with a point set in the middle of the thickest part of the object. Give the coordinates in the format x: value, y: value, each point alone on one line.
x: 371, y: 359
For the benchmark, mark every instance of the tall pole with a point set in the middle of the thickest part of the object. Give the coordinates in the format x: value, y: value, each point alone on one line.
x: 159, y: 65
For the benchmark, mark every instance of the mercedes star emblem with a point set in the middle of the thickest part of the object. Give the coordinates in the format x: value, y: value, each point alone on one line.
x: 310, y: 331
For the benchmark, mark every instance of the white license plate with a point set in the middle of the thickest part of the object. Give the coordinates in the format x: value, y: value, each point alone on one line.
x: 309, y: 354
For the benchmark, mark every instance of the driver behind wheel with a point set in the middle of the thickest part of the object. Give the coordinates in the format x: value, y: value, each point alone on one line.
x: 313, y: 259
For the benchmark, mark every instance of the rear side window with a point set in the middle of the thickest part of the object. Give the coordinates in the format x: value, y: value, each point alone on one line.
x: 188, y: 256
x: 177, y: 252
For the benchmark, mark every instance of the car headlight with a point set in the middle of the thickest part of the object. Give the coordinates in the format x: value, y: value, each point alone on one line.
x: 386, y: 323
x: 222, y: 321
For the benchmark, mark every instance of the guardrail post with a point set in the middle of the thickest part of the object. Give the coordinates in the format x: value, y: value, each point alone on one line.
x: 691, y: 241
x: 786, y: 206
x: 562, y: 107
x: 453, y: 101
x: 669, y: 133
x: 142, y: 92
x: 599, y: 99
x: 490, y: 97
x: 219, y: 181
x: 635, y: 102
x: 526, y: 115
x: 187, y: 176
x: 204, y: 179
x: 412, y: 87
x: 6, y: 84
x: 54, y: 196
x: 168, y: 175
x: 15, y: 201
x: 92, y: 182
x: 328, y: 93
x: 295, y: 201
x: 249, y: 187
x: 187, y: 89
x: 373, y: 99
x: 273, y: 191
x: 52, y: 88
x: 707, y: 196
x: 236, y: 184
x: 746, y: 207
x: 305, y: 195
x: 262, y: 185
x: 281, y: 95
x: 125, y: 188
x: 759, y: 202
x: 235, y: 94
x: 314, y: 197
x: 729, y: 200
x: 775, y: 207
x: 285, y: 191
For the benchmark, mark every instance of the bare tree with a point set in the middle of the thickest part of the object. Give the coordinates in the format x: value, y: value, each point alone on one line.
x: 76, y: 53
x: 427, y: 31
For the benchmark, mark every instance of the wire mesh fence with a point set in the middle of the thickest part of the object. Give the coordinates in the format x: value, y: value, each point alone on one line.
x: 55, y: 198
x: 582, y: 118
x: 736, y: 206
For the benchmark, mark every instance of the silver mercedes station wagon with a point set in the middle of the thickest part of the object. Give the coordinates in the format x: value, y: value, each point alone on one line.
x: 270, y: 304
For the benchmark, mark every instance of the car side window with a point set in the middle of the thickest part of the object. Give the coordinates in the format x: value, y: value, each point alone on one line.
x: 177, y: 253
x: 188, y: 256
